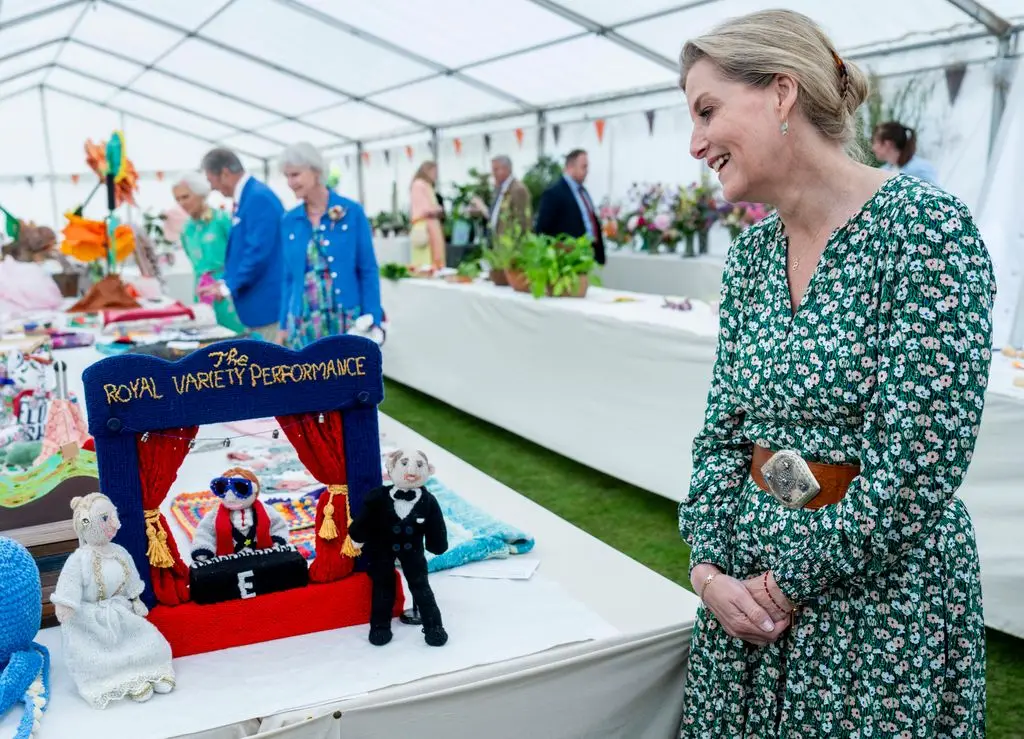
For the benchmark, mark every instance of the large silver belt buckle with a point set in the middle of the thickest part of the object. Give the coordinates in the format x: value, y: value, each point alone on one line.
x: 789, y: 479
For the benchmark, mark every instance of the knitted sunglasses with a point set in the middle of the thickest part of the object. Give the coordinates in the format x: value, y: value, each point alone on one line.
x: 240, y: 486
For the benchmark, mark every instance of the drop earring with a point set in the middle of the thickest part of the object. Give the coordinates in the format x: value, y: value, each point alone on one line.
x: 784, y: 128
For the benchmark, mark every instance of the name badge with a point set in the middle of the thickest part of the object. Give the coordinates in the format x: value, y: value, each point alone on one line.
x: 235, y: 221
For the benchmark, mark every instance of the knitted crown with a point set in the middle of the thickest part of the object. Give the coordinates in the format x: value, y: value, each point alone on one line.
x: 21, y: 599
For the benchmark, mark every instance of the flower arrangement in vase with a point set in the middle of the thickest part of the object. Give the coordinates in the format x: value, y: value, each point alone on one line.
x: 687, y: 218
x: 704, y: 194
x: 649, y: 221
x: 560, y: 266
x: 737, y: 217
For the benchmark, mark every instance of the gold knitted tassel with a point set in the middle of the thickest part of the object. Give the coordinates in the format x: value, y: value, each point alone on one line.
x: 158, y: 553
x: 348, y: 549
x: 328, y: 529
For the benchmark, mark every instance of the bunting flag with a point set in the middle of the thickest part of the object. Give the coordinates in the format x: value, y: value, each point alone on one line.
x: 387, y: 156
x: 366, y: 158
x: 10, y: 227
x: 520, y: 134
x: 487, y: 143
x: 408, y: 152
x: 433, y: 149
x: 650, y: 122
x: 556, y: 132
x: 74, y: 179
x: 458, y: 146
x: 159, y: 176
x: 348, y: 162
x: 31, y: 181
x: 955, y: 74
x: 599, y: 127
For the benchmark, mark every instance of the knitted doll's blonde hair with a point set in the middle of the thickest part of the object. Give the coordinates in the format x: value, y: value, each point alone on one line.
x: 80, y: 506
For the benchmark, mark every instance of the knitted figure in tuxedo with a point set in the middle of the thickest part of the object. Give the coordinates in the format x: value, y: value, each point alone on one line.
x: 395, y: 521
x: 239, y: 521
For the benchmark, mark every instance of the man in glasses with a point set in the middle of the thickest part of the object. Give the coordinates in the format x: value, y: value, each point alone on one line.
x: 239, y: 522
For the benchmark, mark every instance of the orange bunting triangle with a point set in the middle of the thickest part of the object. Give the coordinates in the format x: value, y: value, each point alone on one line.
x: 599, y: 127
x: 520, y: 133
x: 408, y: 152
x: 458, y: 145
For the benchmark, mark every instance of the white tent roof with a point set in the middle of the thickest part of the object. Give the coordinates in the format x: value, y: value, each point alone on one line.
x: 259, y: 74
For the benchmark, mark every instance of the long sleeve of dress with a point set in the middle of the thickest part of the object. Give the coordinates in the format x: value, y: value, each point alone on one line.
x: 68, y: 591
x: 721, y: 452
x: 920, y: 426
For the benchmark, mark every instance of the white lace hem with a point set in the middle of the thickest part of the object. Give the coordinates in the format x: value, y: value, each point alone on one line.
x: 127, y: 689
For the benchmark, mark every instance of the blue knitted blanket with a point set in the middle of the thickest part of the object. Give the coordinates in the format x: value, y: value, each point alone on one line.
x: 473, y: 534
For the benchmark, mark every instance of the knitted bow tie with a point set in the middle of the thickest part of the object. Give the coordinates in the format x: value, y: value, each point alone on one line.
x: 405, y: 494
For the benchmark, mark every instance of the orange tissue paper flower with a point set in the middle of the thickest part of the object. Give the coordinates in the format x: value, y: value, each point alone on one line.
x: 86, y: 240
x: 125, y: 187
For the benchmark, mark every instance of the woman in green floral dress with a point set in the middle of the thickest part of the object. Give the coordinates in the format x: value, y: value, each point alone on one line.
x: 205, y: 241
x: 855, y: 330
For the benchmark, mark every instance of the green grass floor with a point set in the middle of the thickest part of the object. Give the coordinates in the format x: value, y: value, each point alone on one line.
x: 637, y: 523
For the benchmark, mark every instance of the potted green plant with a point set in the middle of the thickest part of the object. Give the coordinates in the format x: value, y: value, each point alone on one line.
x: 500, y: 253
x: 560, y: 266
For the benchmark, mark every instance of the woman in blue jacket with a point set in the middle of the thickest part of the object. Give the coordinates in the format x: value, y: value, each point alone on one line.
x: 331, y: 277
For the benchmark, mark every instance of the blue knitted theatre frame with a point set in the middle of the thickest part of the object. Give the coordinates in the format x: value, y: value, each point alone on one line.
x: 130, y: 394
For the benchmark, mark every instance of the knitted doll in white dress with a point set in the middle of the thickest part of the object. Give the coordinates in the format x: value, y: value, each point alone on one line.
x: 111, y: 650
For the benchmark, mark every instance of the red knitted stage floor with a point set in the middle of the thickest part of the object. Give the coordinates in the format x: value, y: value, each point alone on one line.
x: 316, y: 607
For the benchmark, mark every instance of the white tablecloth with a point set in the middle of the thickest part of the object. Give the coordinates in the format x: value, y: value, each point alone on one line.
x: 622, y: 388
x: 619, y: 387
x: 664, y: 274
x: 592, y: 643
x: 392, y: 249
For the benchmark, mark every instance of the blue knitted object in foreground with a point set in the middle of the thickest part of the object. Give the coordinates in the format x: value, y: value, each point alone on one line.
x: 24, y: 665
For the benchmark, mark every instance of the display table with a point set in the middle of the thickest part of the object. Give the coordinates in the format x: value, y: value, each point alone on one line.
x: 613, y: 385
x: 664, y: 274
x: 592, y: 640
x: 618, y: 386
x: 392, y: 249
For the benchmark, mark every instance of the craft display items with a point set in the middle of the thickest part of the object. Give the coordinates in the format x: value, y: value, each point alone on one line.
x: 24, y: 664
x: 395, y: 523
x: 112, y: 652
x: 239, y: 521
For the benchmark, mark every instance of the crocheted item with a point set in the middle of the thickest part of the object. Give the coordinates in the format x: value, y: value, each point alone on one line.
x: 188, y: 510
x: 473, y: 534
x: 24, y: 664
x: 24, y: 487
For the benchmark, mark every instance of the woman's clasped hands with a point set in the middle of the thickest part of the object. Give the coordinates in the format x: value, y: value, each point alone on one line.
x: 744, y: 608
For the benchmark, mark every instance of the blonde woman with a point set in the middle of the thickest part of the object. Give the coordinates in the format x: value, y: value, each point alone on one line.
x: 838, y: 569
x: 427, y: 236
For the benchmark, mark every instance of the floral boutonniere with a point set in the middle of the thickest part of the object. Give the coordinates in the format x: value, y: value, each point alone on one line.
x: 335, y: 213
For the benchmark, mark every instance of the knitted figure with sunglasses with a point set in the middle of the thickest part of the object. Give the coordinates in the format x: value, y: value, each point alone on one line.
x: 239, y: 522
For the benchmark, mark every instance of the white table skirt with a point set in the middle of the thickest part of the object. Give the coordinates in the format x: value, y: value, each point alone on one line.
x: 616, y: 633
x: 619, y: 387
x: 664, y: 274
x: 392, y: 249
x: 622, y: 388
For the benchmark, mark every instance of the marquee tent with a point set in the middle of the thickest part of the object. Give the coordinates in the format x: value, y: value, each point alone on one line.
x: 382, y: 85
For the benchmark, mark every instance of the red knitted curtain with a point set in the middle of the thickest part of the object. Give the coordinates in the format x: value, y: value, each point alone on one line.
x: 321, y: 448
x: 160, y: 456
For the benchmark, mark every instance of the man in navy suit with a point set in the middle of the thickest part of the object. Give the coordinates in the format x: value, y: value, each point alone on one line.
x: 566, y: 206
x: 254, y: 265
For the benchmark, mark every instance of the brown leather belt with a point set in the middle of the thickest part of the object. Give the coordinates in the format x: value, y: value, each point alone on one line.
x: 834, y: 479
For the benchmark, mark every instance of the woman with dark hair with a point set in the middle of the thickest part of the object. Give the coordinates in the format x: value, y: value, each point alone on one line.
x: 896, y: 145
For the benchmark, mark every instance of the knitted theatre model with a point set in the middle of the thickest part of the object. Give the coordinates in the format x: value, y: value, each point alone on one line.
x: 144, y: 413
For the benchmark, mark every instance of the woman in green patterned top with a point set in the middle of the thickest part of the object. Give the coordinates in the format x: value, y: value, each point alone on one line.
x: 205, y: 241
x: 855, y: 330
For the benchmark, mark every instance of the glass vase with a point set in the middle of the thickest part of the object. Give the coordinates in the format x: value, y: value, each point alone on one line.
x: 688, y: 247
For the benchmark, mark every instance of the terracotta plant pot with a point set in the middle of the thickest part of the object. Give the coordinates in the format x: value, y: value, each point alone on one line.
x: 498, y: 277
x: 518, y: 281
x: 581, y: 291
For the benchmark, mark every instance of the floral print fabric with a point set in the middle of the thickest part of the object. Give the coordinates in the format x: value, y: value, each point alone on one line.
x: 320, y: 316
x: 884, y: 363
